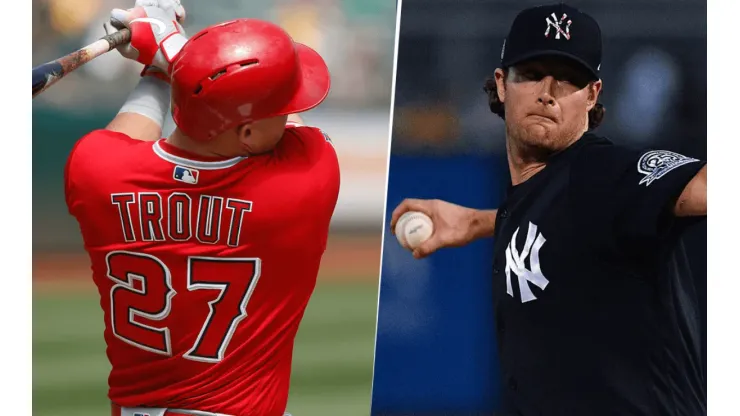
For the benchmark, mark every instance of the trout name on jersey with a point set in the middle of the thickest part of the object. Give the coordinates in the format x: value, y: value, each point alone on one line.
x: 143, y: 217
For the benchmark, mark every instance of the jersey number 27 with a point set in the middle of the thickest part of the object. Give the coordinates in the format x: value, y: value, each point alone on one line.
x: 143, y: 288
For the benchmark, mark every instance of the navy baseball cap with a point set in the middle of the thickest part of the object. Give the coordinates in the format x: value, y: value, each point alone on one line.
x: 554, y: 30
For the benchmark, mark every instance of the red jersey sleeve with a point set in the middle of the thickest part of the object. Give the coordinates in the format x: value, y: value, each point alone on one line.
x: 87, y: 160
x: 315, y: 148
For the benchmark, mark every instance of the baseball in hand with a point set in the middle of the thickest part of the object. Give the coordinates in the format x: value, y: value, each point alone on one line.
x: 413, y: 228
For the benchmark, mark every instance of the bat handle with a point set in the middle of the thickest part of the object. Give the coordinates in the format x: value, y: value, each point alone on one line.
x: 119, y: 38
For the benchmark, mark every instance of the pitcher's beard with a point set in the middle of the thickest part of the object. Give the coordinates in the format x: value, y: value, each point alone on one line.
x: 528, y: 149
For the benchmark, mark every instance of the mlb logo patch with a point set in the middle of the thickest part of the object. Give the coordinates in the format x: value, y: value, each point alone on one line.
x: 186, y: 175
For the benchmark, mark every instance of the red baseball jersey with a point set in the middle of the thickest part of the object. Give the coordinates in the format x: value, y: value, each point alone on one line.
x: 204, y: 266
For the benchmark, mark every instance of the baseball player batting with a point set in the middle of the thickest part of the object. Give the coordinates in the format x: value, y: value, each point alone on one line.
x: 595, y: 309
x: 205, y: 245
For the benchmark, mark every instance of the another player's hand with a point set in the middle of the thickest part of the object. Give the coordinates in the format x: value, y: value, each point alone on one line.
x: 156, y: 33
x: 452, y: 224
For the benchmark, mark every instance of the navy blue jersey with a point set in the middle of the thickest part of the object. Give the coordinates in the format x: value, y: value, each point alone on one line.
x: 596, y: 311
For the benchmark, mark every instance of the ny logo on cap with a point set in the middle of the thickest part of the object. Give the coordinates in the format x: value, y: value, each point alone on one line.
x: 555, y: 23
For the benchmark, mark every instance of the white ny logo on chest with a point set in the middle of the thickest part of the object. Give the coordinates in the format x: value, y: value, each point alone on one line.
x: 515, y: 263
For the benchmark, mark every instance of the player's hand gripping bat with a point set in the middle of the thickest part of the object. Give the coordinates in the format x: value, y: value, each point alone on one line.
x: 46, y: 75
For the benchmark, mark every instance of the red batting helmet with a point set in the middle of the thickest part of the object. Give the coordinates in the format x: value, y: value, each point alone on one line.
x: 240, y: 71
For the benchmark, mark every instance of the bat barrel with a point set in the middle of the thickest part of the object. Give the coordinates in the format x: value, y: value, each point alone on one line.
x: 47, y: 74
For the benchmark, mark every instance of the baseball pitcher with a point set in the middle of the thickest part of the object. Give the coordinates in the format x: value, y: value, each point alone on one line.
x: 595, y: 307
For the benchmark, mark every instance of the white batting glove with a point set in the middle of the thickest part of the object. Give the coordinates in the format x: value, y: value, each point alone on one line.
x: 156, y: 34
x: 166, y: 5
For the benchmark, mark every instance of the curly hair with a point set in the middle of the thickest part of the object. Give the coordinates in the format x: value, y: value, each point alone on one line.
x: 595, y: 115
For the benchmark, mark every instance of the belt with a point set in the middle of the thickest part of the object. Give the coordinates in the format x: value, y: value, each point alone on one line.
x: 117, y: 410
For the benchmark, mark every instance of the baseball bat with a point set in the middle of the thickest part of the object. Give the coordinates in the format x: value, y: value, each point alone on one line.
x: 46, y: 75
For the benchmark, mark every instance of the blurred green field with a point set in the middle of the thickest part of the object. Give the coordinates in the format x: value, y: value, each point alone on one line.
x: 332, y: 366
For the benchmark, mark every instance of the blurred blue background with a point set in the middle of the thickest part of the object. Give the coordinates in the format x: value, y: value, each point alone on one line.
x: 435, y: 348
